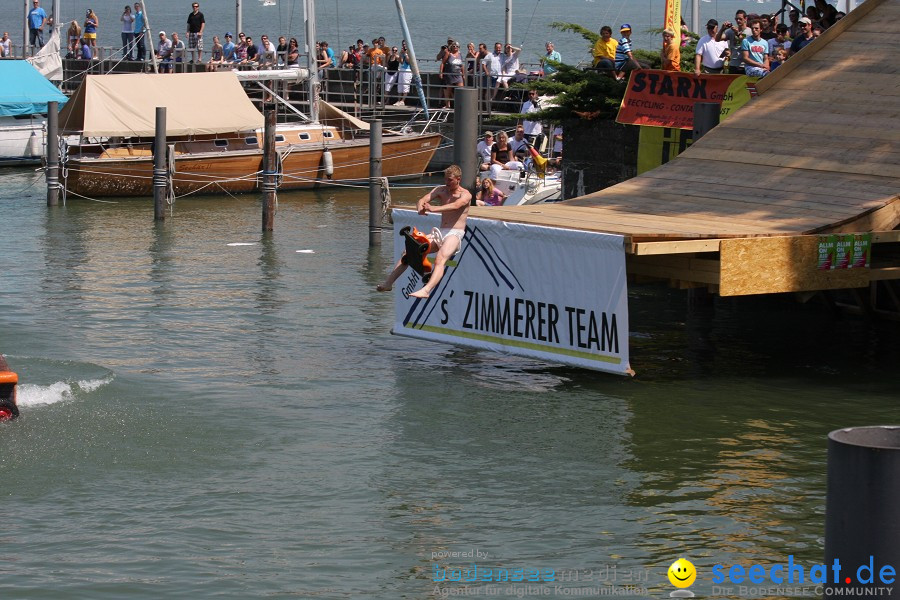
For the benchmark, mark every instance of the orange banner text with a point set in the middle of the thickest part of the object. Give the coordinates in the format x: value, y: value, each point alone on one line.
x: 666, y: 99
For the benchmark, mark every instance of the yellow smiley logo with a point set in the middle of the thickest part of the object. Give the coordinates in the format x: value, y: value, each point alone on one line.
x: 682, y: 573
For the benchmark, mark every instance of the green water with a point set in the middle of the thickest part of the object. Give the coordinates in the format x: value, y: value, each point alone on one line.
x: 206, y: 420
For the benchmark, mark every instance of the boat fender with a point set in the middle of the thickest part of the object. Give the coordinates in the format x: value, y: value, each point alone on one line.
x: 34, y: 145
x: 416, y: 256
x: 328, y: 163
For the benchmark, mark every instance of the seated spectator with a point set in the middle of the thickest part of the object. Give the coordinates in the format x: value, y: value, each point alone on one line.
x: 281, y: 50
x: 85, y: 51
x: 625, y: 61
x: 804, y: 39
x: 502, y: 158
x: 240, y: 49
x: 217, y: 57
x: 252, y: 52
x: 519, y: 143
x: 755, y: 52
x: 228, y: 49
x: 488, y: 195
x: 778, y: 57
x: 163, y: 53
x: 604, y: 51
x: 484, y: 151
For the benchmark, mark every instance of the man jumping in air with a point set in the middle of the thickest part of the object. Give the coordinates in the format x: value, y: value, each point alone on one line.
x: 452, y: 202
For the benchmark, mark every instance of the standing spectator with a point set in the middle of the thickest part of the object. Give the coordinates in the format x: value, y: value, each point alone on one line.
x: 37, y: 18
x: 735, y: 34
x: 404, y: 75
x: 492, y: 64
x: 557, y: 136
x: 281, y: 50
x: 533, y: 130
x: 196, y: 23
x: 393, y: 68
x: 139, y: 33
x: 671, y: 57
x: 6, y: 45
x: 218, y: 55
x: 127, y: 33
x: 451, y: 70
x: 293, y: 53
x: 91, y: 23
x: 604, y: 51
x: 768, y: 27
x: 552, y: 55
x: 802, y: 40
x: 794, y: 29
x: 228, y: 49
x: 74, y: 39
x: 471, y: 62
x: 756, y: 52
x: 708, y: 58
x: 509, y: 64
x: 780, y: 40
x: 625, y: 61
x: 177, y: 49
x: 266, y: 51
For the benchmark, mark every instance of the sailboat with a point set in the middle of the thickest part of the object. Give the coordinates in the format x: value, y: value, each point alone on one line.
x: 215, y: 135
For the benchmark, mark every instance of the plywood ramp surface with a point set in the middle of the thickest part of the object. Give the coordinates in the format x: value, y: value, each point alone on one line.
x: 818, y: 151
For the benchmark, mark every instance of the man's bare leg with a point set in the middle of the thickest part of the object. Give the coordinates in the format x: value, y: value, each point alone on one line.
x: 448, y: 249
x: 388, y: 284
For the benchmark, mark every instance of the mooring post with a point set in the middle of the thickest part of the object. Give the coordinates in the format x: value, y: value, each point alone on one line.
x: 862, y: 514
x: 52, y: 173
x: 465, y: 135
x: 375, y: 183
x: 706, y: 116
x: 269, y: 171
x: 160, y: 172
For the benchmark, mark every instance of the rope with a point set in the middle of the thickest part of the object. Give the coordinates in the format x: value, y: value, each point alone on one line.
x: 63, y: 166
x: 385, y: 197
x: 524, y: 37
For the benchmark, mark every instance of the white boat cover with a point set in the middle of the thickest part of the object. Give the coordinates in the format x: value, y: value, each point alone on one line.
x: 47, y: 61
x: 125, y: 105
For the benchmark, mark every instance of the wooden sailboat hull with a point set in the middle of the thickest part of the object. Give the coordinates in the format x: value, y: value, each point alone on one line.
x: 303, y: 167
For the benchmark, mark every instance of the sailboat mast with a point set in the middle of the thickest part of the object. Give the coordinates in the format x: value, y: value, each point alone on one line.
x: 149, y: 38
x: 417, y: 78
x: 508, y: 22
x: 309, y: 15
x: 238, y: 18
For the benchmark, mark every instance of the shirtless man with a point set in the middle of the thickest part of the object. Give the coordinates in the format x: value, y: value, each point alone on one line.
x: 452, y: 202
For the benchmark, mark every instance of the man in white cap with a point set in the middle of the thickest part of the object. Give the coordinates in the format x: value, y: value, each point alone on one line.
x: 802, y: 40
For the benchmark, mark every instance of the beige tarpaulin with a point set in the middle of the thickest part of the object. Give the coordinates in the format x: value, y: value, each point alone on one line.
x: 125, y: 105
x: 330, y: 113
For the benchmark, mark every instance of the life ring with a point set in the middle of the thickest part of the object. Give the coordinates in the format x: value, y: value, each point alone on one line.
x: 8, y: 383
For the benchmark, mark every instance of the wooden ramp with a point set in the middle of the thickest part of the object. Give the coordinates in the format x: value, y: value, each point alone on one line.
x: 817, y: 152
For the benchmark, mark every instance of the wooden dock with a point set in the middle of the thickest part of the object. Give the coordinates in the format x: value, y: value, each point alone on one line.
x: 742, y: 210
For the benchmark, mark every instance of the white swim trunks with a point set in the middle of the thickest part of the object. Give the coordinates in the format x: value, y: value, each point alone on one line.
x: 439, y: 235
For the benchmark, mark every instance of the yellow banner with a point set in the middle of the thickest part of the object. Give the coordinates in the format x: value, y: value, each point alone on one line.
x: 673, y: 18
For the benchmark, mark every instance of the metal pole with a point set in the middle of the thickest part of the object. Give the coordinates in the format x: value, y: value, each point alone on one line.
x: 238, y: 18
x: 148, y: 39
x: 160, y: 172
x: 508, y: 22
x: 695, y: 16
x: 56, y: 17
x: 309, y: 14
x: 269, y: 171
x: 706, y: 116
x: 413, y: 64
x: 862, y: 515
x: 25, y: 32
x: 52, y: 172
x: 375, y: 184
x: 465, y: 134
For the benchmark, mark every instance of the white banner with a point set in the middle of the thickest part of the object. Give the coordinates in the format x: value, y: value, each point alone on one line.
x: 558, y: 295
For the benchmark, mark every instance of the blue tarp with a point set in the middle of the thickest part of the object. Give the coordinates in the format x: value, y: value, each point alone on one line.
x: 24, y: 91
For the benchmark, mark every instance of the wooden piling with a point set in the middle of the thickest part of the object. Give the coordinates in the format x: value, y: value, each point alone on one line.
x: 375, y: 183
x: 52, y: 172
x: 269, y: 174
x: 160, y: 170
